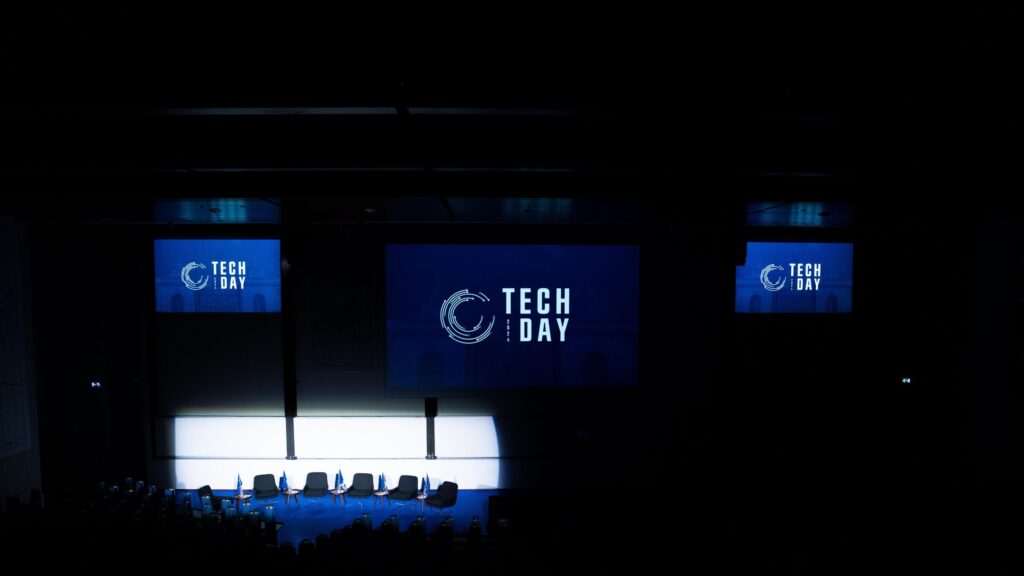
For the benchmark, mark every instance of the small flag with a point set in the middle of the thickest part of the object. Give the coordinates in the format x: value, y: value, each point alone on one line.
x: 423, y: 485
x: 284, y: 480
x: 380, y: 482
x: 341, y: 478
x: 427, y: 489
x: 337, y: 480
x: 239, y: 484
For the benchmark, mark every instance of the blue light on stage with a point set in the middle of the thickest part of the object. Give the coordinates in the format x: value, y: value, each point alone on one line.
x: 795, y: 277
x: 217, y: 275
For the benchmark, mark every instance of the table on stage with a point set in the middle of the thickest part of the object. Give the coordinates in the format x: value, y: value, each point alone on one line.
x: 337, y: 492
x: 293, y: 493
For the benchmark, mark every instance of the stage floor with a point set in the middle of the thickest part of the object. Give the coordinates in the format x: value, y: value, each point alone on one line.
x: 314, y: 516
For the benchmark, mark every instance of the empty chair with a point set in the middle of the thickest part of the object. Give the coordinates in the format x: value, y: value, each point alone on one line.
x: 447, y: 494
x: 215, y: 501
x: 264, y: 486
x: 362, y: 486
x: 316, y: 485
x: 406, y: 488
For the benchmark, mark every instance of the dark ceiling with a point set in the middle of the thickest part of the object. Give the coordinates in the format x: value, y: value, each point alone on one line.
x: 682, y: 105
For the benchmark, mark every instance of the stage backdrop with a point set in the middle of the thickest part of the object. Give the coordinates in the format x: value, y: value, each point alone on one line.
x: 500, y: 316
x: 217, y: 275
x: 800, y: 277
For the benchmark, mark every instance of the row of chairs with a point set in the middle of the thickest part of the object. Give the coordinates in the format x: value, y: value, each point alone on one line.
x: 264, y: 486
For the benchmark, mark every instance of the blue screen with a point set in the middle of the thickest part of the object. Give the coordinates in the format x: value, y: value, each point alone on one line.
x: 502, y: 316
x: 795, y: 277
x: 217, y: 275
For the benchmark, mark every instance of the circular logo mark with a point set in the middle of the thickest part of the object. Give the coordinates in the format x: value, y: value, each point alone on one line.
x: 188, y: 281
x: 767, y: 282
x: 456, y: 331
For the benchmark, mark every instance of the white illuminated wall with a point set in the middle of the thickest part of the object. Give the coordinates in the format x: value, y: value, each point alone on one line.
x: 465, y: 437
x: 227, y: 437
x: 359, y: 437
x: 217, y: 450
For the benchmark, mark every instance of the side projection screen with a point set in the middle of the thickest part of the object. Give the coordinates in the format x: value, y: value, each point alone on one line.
x: 504, y: 316
x: 217, y: 275
x: 795, y: 277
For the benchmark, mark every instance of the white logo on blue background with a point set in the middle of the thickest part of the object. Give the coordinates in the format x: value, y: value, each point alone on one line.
x: 766, y: 281
x: 188, y: 280
x: 457, y: 331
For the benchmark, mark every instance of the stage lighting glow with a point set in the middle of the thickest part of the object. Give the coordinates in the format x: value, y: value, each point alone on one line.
x: 216, y: 450
x: 228, y: 437
x: 358, y: 437
x: 465, y: 437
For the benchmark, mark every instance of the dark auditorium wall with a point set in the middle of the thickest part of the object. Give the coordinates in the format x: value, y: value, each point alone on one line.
x: 19, y: 425
x: 220, y: 364
x: 817, y: 427
x: 88, y: 306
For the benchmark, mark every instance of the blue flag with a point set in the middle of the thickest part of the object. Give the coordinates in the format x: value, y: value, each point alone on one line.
x: 427, y: 489
x: 337, y: 480
x: 380, y: 482
x: 423, y: 485
x: 284, y: 480
x: 341, y: 477
x: 239, y: 484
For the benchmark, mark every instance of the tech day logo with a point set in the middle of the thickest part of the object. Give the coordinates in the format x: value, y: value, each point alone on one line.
x: 802, y: 276
x: 542, y: 314
x: 456, y: 331
x: 189, y: 283
x: 227, y: 275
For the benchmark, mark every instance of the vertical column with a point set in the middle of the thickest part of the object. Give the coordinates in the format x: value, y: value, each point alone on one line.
x: 290, y: 377
x: 430, y: 411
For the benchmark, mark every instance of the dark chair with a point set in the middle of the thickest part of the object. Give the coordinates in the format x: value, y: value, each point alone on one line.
x: 362, y: 486
x: 264, y: 486
x: 406, y: 488
x: 316, y: 485
x: 447, y: 494
x: 215, y: 501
